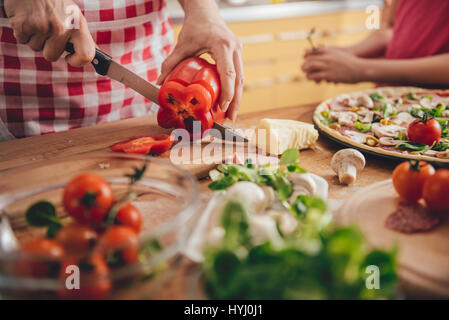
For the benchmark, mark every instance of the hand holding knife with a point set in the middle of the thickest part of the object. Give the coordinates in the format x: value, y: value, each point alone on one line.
x: 106, y: 66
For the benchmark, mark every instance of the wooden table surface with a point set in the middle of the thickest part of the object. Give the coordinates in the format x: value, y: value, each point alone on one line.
x: 97, y: 138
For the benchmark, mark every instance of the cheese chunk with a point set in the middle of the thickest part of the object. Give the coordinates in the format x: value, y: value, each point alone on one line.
x: 275, y: 136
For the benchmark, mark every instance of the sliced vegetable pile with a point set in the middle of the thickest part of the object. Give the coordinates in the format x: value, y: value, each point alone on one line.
x: 103, y: 236
x: 296, y: 255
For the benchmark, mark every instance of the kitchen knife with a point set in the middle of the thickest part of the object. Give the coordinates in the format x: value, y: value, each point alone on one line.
x: 105, y: 66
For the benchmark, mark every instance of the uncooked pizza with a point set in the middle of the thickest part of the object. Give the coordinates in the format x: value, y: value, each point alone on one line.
x: 403, y: 122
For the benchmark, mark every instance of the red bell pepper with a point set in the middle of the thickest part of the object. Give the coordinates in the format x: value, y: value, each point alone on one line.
x: 190, y: 92
x: 145, y: 145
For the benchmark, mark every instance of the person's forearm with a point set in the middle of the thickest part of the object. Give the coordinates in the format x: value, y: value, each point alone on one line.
x: 422, y: 71
x: 374, y: 45
x: 203, y: 7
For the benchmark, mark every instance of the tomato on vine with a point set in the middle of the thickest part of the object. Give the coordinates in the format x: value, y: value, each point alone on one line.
x: 409, y: 178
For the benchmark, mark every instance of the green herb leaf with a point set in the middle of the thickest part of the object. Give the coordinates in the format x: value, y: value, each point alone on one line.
x: 222, y: 183
x: 376, y: 97
x: 290, y: 156
x: 137, y: 175
x: 388, y: 110
x: 43, y: 214
x: 235, y: 223
x: 413, y: 146
x: 442, y: 146
x: 411, y: 96
x: 363, y: 127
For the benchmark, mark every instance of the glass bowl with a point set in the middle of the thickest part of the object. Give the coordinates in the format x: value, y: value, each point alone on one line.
x: 167, y: 197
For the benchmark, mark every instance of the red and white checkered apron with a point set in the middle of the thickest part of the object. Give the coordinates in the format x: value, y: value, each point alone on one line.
x: 38, y: 97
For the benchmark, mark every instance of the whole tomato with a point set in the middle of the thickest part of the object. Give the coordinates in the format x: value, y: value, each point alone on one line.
x: 41, y: 258
x: 88, y: 198
x: 93, y: 278
x: 130, y: 216
x: 425, y: 130
x: 120, y: 246
x: 77, y: 239
x: 436, y: 192
x: 409, y: 178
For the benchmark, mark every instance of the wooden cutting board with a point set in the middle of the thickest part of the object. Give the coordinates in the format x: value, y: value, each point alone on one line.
x: 423, y: 257
x: 96, y: 138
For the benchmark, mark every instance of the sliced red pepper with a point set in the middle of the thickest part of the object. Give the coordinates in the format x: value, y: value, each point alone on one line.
x: 156, y: 145
x: 190, y: 92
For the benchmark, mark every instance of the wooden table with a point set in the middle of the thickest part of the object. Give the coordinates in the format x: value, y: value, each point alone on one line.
x: 96, y: 138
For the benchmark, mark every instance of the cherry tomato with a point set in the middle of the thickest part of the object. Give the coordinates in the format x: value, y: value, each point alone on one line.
x: 130, y: 216
x: 409, y: 178
x: 77, y: 239
x: 120, y: 245
x: 88, y: 198
x: 427, y: 131
x: 94, y: 280
x: 436, y: 192
x: 41, y: 258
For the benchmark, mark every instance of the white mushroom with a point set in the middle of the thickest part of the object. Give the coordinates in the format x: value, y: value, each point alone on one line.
x: 391, y: 130
x: 215, y: 237
x: 270, y: 196
x: 446, y: 113
x: 356, y: 136
x: 365, y: 101
x: 347, y: 118
x: 263, y: 228
x: 303, y: 184
x: 426, y: 103
x: 346, y: 163
x: 388, y: 141
x: 253, y: 195
x: 287, y: 222
x: 403, y: 118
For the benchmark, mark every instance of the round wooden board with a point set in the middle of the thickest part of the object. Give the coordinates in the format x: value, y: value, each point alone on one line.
x: 423, y: 257
x: 338, y: 137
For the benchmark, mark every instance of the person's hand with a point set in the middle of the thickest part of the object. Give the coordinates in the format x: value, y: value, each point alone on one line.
x: 333, y: 65
x: 203, y: 33
x: 47, y: 25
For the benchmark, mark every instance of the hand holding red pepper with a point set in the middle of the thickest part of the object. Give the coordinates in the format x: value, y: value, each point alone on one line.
x: 190, y: 93
x: 204, y: 31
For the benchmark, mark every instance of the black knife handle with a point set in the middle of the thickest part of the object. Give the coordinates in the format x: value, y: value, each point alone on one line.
x: 101, y: 62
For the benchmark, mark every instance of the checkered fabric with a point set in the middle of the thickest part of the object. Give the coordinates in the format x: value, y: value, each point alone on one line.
x: 38, y: 97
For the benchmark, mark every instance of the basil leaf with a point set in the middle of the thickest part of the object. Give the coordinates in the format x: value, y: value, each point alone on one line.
x: 290, y: 156
x: 222, y: 183
x: 413, y: 146
x: 442, y: 146
x: 41, y: 214
x: 376, y: 97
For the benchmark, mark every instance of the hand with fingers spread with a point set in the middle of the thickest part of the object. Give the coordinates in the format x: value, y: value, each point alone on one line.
x: 204, y: 31
x: 333, y: 64
x: 47, y: 25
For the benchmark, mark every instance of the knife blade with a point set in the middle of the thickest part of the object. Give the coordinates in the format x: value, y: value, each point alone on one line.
x: 106, y: 66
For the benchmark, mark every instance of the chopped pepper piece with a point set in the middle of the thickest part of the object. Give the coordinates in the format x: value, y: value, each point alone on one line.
x: 156, y: 145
